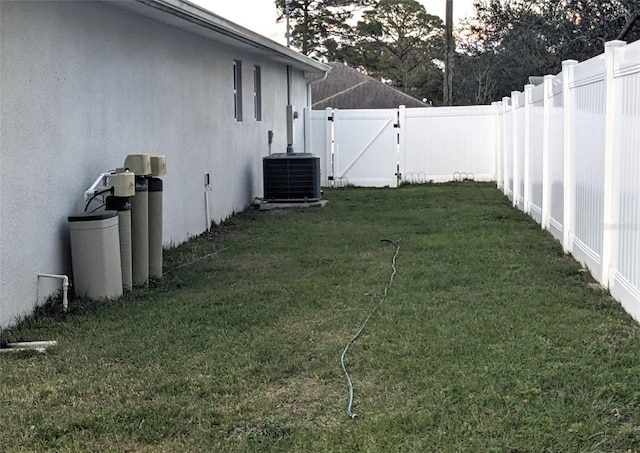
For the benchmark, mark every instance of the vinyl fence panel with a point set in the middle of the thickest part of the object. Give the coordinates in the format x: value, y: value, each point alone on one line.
x: 448, y: 143
x: 318, y: 140
x: 518, y: 148
x: 534, y: 103
x: 555, y: 125
x: 624, y: 281
x: 588, y: 134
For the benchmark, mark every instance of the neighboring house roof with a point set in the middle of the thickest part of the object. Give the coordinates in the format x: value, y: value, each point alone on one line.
x: 193, y: 18
x: 347, y: 88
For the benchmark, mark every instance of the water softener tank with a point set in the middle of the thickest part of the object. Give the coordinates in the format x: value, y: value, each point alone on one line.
x: 158, y: 168
x: 95, y: 254
x: 140, y: 164
x: 140, y: 232
x: 122, y: 205
x: 123, y: 184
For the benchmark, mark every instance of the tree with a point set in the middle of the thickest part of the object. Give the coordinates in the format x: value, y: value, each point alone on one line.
x: 522, y: 38
x: 319, y: 26
x: 474, y: 81
x: 398, y: 41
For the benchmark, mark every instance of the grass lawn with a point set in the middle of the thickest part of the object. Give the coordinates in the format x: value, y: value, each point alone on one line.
x: 490, y: 339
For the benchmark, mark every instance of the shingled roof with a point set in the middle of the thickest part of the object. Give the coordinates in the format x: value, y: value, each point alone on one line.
x: 347, y: 88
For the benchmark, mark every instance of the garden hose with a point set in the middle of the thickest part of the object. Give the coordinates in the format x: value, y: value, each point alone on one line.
x: 364, y: 323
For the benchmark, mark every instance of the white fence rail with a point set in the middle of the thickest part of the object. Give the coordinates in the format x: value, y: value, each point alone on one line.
x: 566, y: 152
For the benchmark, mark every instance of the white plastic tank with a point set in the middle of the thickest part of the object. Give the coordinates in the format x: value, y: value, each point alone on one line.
x: 95, y: 254
x: 123, y: 206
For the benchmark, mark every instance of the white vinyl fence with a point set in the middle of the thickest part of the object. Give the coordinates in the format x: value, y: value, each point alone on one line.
x: 378, y: 148
x: 566, y: 152
x: 570, y: 157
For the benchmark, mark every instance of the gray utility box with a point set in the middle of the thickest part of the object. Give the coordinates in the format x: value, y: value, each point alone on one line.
x: 95, y: 254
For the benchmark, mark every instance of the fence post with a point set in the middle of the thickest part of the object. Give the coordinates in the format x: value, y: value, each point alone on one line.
x: 497, y: 148
x: 546, y: 149
x: 505, y: 148
x: 401, y: 147
x: 515, y: 131
x: 568, y: 167
x: 528, y: 99
x: 610, y: 233
x: 331, y: 148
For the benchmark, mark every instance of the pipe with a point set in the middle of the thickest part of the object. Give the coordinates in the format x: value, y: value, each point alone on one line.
x: 39, y: 346
x: 102, y: 180
x: 65, y: 287
x: 207, y: 189
x: 313, y: 78
x: 32, y: 344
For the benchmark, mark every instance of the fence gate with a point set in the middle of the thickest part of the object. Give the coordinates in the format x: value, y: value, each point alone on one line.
x: 365, y: 148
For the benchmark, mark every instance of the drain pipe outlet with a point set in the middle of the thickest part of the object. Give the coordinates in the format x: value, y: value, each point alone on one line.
x: 65, y: 287
x: 207, y: 189
x: 39, y: 346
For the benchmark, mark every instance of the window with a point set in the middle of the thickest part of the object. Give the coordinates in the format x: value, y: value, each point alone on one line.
x: 237, y: 90
x: 257, y: 93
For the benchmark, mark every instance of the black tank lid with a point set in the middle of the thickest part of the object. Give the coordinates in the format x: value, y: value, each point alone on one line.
x: 89, y: 216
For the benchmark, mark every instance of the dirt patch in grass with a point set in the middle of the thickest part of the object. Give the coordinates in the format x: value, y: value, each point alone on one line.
x: 303, y: 400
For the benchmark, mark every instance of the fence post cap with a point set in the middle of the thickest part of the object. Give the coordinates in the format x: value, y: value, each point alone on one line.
x: 614, y: 43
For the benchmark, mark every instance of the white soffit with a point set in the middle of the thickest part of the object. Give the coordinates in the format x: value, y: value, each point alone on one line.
x: 187, y: 16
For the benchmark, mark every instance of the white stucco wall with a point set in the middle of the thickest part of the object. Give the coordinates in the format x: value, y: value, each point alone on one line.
x: 82, y: 85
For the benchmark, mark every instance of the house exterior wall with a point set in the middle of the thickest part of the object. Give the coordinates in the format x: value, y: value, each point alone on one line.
x: 84, y: 84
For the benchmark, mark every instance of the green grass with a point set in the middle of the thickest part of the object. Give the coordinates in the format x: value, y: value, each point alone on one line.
x: 490, y: 339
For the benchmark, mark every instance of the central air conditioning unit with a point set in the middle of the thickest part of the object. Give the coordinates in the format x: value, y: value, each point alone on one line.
x: 291, y: 177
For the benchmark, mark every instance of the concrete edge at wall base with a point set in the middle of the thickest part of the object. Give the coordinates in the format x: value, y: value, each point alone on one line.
x: 263, y: 205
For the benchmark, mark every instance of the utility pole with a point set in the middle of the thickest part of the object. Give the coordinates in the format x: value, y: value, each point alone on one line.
x: 448, y: 57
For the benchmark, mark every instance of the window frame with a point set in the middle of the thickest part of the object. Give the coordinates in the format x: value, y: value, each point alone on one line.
x: 237, y: 90
x: 257, y: 92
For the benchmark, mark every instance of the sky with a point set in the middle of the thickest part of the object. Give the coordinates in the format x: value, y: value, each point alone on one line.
x: 260, y: 15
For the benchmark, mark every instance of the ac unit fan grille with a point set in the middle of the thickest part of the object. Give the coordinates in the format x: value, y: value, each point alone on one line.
x: 292, y: 177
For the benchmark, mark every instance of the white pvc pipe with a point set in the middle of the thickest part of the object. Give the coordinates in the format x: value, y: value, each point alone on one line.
x: 39, y: 346
x: 22, y: 349
x: 32, y: 344
x: 65, y: 287
x: 207, y: 189
x: 92, y: 190
x: 206, y: 208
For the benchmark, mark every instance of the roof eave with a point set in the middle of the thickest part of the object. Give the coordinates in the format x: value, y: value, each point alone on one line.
x: 196, y: 15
